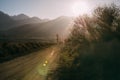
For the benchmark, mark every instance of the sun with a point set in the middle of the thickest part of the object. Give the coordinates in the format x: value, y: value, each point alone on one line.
x: 80, y: 8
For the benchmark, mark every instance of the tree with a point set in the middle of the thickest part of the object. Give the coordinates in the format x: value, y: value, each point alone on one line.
x: 87, y: 54
x: 108, y: 19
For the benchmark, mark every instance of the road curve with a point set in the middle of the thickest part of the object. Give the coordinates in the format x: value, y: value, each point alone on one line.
x: 34, y: 66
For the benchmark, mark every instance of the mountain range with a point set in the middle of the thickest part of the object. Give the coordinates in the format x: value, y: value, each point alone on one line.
x: 23, y: 26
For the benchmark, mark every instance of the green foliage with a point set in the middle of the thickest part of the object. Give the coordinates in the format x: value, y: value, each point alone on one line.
x: 91, y: 51
x: 108, y: 19
x: 13, y: 49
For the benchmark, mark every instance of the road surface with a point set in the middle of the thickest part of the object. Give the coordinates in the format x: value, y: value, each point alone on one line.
x: 34, y: 66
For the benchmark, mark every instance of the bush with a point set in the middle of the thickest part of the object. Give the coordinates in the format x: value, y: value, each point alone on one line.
x: 91, y: 51
x: 12, y: 49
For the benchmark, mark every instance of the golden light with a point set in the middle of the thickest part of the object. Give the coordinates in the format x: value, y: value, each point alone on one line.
x: 80, y: 8
x: 46, y: 61
x: 44, y: 65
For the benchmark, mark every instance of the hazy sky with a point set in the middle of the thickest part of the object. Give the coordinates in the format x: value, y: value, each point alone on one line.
x: 50, y: 8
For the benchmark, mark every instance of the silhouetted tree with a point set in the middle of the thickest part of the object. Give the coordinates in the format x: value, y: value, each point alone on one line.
x: 91, y: 51
x: 108, y: 19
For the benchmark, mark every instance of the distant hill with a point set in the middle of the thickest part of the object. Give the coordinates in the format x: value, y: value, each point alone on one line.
x: 30, y: 20
x: 5, y: 20
x: 23, y: 26
x: 24, y: 19
x: 8, y: 22
x: 20, y: 17
x: 46, y: 29
x: 4, y: 17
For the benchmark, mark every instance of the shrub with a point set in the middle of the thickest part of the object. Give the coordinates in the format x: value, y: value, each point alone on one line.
x: 91, y: 51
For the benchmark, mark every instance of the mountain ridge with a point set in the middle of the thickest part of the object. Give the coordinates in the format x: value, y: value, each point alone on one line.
x: 35, y: 27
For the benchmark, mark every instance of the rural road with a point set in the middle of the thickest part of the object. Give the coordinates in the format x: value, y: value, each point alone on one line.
x: 34, y: 66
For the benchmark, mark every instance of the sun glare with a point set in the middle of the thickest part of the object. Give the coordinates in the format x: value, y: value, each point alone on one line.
x: 80, y: 8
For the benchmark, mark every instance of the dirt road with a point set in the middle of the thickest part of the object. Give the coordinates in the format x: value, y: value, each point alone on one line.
x: 34, y: 66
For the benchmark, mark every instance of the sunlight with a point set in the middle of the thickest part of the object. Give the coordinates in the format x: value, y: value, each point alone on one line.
x: 80, y: 8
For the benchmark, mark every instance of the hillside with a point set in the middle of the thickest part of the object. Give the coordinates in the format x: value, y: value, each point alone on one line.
x: 46, y: 29
x: 8, y: 22
x: 20, y: 17
x: 5, y: 21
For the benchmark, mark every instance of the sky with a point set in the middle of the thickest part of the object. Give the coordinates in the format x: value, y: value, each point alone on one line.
x: 51, y: 8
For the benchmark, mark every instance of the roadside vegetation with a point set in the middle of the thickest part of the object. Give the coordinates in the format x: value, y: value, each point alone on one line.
x: 92, y: 50
x: 12, y: 49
